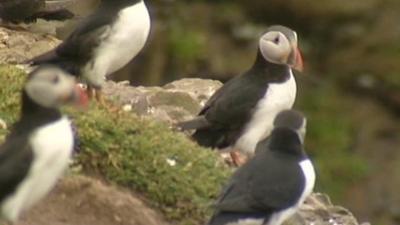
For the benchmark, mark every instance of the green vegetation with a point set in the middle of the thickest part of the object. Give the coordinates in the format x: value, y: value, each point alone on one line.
x: 139, y: 154
x: 11, y: 81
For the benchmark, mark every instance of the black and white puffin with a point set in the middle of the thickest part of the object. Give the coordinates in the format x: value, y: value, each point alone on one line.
x: 103, y: 43
x: 241, y: 112
x: 270, y: 187
x: 25, y: 11
x: 38, y: 149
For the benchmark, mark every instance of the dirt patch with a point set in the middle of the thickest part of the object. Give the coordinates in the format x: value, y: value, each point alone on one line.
x: 79, y: 200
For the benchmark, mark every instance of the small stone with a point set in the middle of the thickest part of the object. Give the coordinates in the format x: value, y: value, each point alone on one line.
x: 3, y: 124
x: 127, y: 107
x: 171, y: 162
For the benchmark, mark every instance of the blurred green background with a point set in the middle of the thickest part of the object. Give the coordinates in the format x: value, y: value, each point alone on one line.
x: 350, y: 89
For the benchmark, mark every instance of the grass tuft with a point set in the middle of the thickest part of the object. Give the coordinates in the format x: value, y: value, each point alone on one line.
x: 175, y: 175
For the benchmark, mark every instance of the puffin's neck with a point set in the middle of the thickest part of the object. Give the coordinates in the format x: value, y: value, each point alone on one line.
x: 286, y: 141
x: 271, y: 71
x: 34, y: 115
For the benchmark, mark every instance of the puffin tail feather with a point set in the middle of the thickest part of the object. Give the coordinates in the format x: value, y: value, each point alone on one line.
x: 199, y: 122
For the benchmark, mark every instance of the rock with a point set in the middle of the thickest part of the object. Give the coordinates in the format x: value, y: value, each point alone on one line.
x: 174, y: 102
x: 81, y: 200
x: 319, y: 210
x: 3, y: 124
x: 18, y: 46
x: 181, y: 100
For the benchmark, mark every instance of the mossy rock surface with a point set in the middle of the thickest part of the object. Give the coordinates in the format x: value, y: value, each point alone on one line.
x: 174, y: 174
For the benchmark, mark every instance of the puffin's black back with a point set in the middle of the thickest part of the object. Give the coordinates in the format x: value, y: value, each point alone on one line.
x: 19, y: 10
x: 231, y: 107
x: 16, y: 154
x: 271, y: 181
x: 77, y: 49
x: 15, y: 160
x: 30, y: 10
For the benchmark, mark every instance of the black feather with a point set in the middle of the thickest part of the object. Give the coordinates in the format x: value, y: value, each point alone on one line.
x: 16, y: 153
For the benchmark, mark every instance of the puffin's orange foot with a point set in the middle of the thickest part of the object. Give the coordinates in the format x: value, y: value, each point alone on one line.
x: 238, y: 159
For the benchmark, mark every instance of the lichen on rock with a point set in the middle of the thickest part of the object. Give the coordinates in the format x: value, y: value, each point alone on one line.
x: 176, y: 101
x: 19, y: 46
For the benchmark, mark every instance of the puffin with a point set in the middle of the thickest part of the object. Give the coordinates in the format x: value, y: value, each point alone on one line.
x: 38, y: 149
x: 26, y: 11
x: 102, y: 43
x: 240, y: 113
x: 271, y: 186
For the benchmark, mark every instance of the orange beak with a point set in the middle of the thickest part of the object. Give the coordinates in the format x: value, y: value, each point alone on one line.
x: 298, y: 65
x: 81, y: 98
x: 77, y: 97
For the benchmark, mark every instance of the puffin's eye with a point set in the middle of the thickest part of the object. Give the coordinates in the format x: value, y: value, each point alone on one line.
x: 276, y: 40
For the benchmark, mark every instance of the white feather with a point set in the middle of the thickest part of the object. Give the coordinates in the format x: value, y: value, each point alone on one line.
x: 278, y: 97
x: 52, y: 148
x: 123, y: 41
x: 309, y: 175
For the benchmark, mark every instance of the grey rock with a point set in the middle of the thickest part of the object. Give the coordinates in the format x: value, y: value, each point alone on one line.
x: 319, y: 210
x: 18, y: 46
x: 174, y: 102
x: 82, y: 200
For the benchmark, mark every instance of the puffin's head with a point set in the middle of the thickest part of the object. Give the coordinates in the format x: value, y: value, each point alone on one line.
x: 51, y: 87
x: 293, y: 120
x: 279, y: 45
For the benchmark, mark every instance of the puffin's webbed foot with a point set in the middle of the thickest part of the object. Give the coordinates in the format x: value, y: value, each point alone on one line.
x: 238, y: 159
x: 96, y: 93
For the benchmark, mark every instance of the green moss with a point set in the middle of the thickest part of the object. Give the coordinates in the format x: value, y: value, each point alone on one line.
x: 330, y: 134
x: 11, y: 81
x: 135, y: 153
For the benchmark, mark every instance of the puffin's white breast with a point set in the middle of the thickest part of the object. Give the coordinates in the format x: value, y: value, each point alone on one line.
x: 121, y: 43
x: 309, y: 176
x: 278, y: 97
x: 52, y: 148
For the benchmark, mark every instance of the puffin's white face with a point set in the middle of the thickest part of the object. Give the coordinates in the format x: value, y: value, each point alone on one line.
x: 50, y: 86
x: 275, y: 47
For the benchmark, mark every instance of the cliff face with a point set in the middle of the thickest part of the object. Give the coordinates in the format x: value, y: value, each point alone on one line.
x: 136, y: 154
x: 351, y: 91
x: 140, y: 154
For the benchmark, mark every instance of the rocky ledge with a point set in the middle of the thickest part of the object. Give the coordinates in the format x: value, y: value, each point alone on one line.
x: 84, y: 200
x: 181, y: 100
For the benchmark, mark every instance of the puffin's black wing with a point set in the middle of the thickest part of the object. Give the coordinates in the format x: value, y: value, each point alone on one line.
x: 78, y: 48
x: 264, y: 185
x: 228, y: 111
x: 225, y: 95
x: 15, y: 160
x: 19, y: 10
x: 224, y: 92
